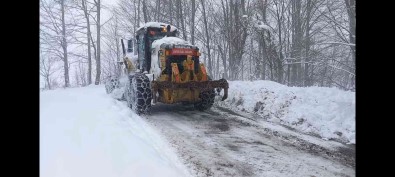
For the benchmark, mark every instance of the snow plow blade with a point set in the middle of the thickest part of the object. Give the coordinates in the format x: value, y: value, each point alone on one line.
x: 192, y: 85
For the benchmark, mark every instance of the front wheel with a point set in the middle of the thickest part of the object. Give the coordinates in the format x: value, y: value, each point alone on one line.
x: 138, y: 93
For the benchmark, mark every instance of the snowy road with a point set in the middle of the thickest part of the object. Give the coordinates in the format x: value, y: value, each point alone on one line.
x: 221, y: 142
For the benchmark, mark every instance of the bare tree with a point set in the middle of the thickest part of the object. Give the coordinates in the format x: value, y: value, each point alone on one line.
x: 207, y: 39
x: 98, y: 26
x: 53, y: 32
x: 145, y: 12
x: 47, y: 69
x: 193, y: 22
x: 64, y: 47
x: 88, y: 38
x: 302, y: 43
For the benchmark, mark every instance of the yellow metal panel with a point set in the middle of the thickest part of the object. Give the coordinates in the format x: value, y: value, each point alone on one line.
x: 204, y: 73
x: 176, y: 73
x: 129, y: 64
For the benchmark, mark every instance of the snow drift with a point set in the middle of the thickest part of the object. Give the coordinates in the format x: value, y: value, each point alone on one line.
x: 85, y: 132
x: 327, y: 112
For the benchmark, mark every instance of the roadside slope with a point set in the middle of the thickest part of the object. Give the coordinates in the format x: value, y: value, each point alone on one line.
x: 84, y: 132
x: 326, y: 112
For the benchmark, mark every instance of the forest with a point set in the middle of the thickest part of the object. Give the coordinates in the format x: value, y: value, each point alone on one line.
x: 298, y: 43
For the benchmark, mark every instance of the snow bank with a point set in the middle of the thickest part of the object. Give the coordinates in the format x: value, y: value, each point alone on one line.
x: 84, y: 132
x: 327, y: 112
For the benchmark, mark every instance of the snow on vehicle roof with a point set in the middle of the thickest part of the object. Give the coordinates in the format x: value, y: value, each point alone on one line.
x: 169, y: 40
x: 261, y: 25
x: 157, y: 25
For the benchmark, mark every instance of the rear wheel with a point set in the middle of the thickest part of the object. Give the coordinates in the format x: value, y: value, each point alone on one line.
x: 111, y: 84
x: 138, y: 93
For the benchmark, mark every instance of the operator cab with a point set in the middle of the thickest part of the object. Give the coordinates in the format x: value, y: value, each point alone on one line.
x: 145, y: 36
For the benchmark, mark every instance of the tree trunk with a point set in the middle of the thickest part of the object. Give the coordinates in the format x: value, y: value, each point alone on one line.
x: 193, y: 23
x: 218, y: 76
x: 171, y: 11
x: 98, y: 66
x: 177, y: 14
x: 157, y: 10
x: 89, y: 74
x: 135, y: 18
x: 48, y: 82
x: 180, y: 7
x: 224, y: 75
x: 296, y: 43
x: 207, y: 37
x: 277, y: 56
x: 138, y: 13
x: 350, y: 5
x: 64, y: 47
x: 145, y: 11
x: 252, y: 52
x: 118, y: 66
x: 265, y: 57
x: 309, y: 7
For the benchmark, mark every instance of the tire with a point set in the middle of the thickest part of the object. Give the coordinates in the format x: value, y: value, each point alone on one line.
x: 207, y: 99
x: 138, y: 93
x: 111, y: 84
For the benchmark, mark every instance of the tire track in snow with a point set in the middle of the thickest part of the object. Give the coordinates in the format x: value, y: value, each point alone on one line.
x: 221, y: 142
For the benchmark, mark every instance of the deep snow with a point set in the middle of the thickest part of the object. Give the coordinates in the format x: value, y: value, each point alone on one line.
x: 327, y: 112
x: 84, y: 132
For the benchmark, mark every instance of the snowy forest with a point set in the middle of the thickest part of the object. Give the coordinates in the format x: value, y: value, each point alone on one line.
x: 293, y: 42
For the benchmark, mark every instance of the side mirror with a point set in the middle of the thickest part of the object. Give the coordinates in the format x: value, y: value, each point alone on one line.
x: 130, y: 46
x: 168, y: 28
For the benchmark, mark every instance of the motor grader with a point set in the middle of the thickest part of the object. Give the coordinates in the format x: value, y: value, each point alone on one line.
x: 166, y: 69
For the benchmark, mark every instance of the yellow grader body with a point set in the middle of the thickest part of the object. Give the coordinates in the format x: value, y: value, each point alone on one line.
x: 173, y: 63
x: 185, y: 86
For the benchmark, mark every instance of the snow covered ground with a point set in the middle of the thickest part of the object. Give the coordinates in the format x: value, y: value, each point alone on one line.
x: 327, y: 112
x: 221, y: 142
x: 84, y: 132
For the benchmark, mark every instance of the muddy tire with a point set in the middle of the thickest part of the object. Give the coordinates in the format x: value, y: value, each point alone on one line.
x: 207, y: 99
x: 111, y: 84
x: 138, y: 93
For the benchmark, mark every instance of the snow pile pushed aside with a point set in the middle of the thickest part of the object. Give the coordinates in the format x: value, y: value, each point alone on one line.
x: 84, y: 132
x: 328, y: 112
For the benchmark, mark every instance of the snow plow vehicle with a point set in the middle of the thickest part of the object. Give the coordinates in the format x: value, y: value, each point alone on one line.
x: 166, y: 69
